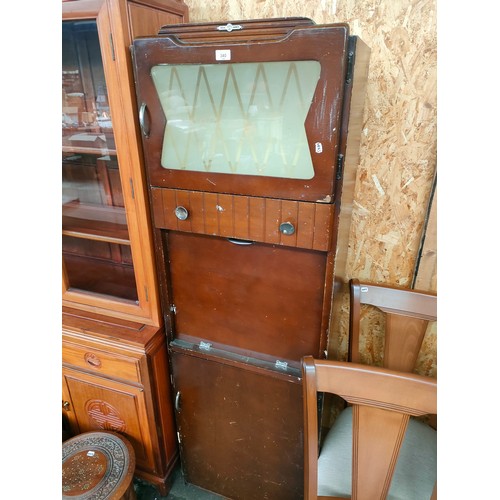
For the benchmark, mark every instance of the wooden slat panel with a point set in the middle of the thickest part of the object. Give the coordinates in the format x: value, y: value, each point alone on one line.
x: 240, y: 204
x: 197, y: 209
x: 257, y: 210
x: 224, y: 212
x: 272, y: 221
x: 305, y: 225
x: 323, y: 222
x: 210, y: 213
x: 246, y: 218
x: 182, y: 199
x: 168, y: 205
x: 289, y: 213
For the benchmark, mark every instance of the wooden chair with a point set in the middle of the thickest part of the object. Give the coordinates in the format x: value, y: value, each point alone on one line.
x: 407, y: 312
x: 374, y: 450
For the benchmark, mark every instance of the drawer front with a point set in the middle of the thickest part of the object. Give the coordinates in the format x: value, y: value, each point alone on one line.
x: 279, y: 222
x: 101, y: 362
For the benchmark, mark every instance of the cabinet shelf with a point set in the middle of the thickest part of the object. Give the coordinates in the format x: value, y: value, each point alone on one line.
x: 101, y: 276
x: 89, y: 143
x: 89, y: 151
x: 93, y: 222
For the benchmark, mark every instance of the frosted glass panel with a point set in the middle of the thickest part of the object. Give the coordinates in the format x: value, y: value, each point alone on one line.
x: 242, y: 118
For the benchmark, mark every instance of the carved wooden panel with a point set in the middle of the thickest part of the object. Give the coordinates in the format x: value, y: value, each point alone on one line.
x: 245, y: 217
x: 101, y: 404
x: 104, y: 415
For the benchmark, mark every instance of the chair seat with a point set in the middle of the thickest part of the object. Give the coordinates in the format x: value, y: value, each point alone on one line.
x: 416, y: 469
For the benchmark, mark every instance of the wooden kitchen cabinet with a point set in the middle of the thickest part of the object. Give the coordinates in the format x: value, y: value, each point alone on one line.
x: 250, y: 132
x: 116, y: 377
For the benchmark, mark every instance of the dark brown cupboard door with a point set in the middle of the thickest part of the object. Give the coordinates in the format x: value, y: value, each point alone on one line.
x: 240, y: 430
x: 241, y: 295
x: 219, y: 117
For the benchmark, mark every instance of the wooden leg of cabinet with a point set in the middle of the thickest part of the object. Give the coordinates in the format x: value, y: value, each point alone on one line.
x: 162, y: 484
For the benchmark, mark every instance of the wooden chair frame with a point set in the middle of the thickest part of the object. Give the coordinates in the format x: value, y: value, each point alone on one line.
x: 380, y: 398
x: 408, y: 313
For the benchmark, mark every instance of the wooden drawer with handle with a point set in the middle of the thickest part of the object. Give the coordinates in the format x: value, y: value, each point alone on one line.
x: 101, y: 362
x: 267, y: 220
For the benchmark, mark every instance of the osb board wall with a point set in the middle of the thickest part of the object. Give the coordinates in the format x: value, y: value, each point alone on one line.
x: 398, y: 145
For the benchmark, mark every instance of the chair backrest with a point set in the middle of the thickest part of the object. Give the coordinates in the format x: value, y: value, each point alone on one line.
x: 382, y: 402
x: 407, y: 313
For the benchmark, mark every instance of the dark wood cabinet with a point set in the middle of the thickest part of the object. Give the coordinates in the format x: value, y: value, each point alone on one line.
x: 251, y: 173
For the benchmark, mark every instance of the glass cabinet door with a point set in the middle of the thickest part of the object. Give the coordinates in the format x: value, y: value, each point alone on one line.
x: 95, y: 240
x: 244, y: 117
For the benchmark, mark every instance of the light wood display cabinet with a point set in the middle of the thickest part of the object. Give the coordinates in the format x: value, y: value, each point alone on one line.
x: 115, y: 378
x: 108, y: 261
x: 115, y: 365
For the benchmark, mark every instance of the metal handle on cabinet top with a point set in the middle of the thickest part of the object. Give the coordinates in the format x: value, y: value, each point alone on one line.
x: 229, y: 27
x: 142, y: 115
x: 178, y: 401
x: 240, y: 242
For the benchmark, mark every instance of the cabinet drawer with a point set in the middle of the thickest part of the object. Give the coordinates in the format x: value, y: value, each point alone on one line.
x: 279, y: 222
x: 101, y: 362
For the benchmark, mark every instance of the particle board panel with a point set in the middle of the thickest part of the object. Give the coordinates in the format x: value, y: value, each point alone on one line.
x: 398, y: 144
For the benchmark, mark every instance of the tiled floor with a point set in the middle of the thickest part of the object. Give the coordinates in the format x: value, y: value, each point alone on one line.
x: 180, y: 490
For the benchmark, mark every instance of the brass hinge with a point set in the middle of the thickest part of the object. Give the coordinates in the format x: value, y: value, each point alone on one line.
x: 132, y: 188
x: 112, y: 46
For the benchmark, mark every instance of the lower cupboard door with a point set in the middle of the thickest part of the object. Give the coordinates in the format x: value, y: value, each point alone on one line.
x: 240, y: 430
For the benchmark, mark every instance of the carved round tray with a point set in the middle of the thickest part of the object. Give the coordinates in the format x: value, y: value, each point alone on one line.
x: 97, y: 466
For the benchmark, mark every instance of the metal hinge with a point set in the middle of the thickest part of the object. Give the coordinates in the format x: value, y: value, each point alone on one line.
x: 350, y: 67
x: 340, y: 166
x: 206, y: 346
x: 132, y: 188
x: 173, y: 309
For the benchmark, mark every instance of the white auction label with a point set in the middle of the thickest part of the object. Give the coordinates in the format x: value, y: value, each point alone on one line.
x: 223, y: 55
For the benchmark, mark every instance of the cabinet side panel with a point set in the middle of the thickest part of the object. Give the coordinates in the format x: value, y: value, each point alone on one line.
x: 163, y: 398
x: 355, y: 122
x: 147, y: 21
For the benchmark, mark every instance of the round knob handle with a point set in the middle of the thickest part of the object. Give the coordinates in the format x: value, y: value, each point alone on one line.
x: 287, y: 228
x: 181, y: 213
x: 66, y: 405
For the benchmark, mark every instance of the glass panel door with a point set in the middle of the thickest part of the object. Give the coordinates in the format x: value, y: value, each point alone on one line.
x: 95, y: 241
x: 243, y: 118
